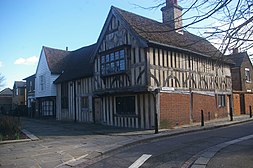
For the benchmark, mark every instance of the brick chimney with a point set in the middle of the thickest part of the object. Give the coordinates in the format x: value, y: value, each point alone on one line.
x: 172, y: 15
x: 235, y: 50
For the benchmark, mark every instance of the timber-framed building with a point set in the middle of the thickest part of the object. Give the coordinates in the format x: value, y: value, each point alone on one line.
x: 142, y: 72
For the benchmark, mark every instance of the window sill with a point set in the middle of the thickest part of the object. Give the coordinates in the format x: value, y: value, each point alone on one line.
x: 113, y: 74
x: 126, y: 115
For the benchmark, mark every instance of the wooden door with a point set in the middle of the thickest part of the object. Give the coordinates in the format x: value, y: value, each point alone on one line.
x: 242, y: 104
x: 97, y: 102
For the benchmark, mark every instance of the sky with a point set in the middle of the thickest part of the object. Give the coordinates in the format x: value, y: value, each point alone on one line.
x: 27, y: 25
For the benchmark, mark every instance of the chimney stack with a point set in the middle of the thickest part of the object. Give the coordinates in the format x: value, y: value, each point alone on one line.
x: 172, y: 15
x: 235, y: 50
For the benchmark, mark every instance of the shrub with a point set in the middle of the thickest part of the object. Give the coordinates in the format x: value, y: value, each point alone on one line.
x: 9, y: 127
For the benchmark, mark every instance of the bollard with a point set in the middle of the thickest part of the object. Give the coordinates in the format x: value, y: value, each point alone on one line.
x: 231, y: 114
x: 250, y: 112
x: 202, y: 118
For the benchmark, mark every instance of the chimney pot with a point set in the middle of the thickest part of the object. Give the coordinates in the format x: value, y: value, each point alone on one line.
x: 235, y: 50
x: 67, y: 48
x: 172, y: 15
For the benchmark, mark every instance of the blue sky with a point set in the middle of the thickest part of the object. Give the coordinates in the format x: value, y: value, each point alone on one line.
x: 27, y: 25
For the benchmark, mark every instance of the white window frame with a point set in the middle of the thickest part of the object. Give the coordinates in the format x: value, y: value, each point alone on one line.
x: 247, y: 75
x: 42, y: 82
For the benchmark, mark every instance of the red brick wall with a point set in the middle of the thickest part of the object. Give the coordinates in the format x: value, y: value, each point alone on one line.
x: 236, y: 100
x: 175, y: 108
x: 205, y: 103
x: 248, y: 102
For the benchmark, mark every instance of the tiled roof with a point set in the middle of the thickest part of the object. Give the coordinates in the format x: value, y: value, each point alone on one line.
x: 56, y: 59
x: 19, y: 84
x: 237, y: 58
x: 6, y: 92
x: 78, y: 64
x: 154, y: 31
x: 30, y: 77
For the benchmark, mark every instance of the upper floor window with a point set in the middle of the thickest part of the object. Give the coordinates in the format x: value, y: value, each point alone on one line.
x: 42, y: 82
x: 16, y: 92
x: 30, y: 86
x: 247, y: 75
x: 114, y: 62
x: 22, y: 91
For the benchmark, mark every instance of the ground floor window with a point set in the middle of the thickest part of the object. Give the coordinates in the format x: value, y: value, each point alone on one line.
x: 47, y: 108
x: 125, y: 105
x: 221, y: 100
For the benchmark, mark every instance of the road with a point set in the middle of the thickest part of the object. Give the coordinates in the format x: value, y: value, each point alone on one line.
x: 178, y: 150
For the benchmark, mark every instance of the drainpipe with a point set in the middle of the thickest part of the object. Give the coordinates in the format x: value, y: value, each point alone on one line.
x: 75, y: 100
x: 155, y: 94
x: 191, y: 105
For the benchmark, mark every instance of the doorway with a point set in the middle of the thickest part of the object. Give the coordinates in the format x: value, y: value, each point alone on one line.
x: 97, y: 110
x: 242, y: 104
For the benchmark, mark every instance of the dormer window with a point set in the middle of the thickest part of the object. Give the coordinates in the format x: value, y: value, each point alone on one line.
x: 113, y: 62
x: 247, y: 75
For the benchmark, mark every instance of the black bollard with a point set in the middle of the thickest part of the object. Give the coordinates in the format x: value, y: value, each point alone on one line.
x: 231, y: 114
x: 202, y: 118
x: 250, y: 112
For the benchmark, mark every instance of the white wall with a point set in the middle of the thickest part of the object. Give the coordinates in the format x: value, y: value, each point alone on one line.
x: 43, y: 69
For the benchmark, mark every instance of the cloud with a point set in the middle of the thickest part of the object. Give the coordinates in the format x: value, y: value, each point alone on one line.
x: 27, y: 61
x: 1, y: 64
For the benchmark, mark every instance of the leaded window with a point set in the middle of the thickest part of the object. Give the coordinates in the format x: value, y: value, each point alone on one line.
x: 114, y: 62
x: 125, y: 105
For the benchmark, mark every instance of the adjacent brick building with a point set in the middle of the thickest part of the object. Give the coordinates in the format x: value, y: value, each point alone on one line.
x: 242, y: 82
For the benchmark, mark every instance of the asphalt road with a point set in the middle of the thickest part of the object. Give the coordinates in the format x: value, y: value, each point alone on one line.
x: 176, y: 150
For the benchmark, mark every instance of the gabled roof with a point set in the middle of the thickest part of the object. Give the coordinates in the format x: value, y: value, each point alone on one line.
x: 55, y: 59
x: 6, y: 92
x: 238, y: 58
x: 153, y: 32
x: 30, y: 77
x: 19, y: 84
x: 78, y: 64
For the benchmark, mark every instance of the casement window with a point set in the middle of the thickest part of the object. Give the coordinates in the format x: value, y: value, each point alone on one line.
x: 64, y: 95
x: 42, y: 83
x: 125, y: 105
x: 47, y: 108
x: 113, y: 62
x: 247, y: 75
x: 22, y: 91
x: 30, y: 86
x: 16, y: 91
x: 85, y: 102
x: 221, y: 100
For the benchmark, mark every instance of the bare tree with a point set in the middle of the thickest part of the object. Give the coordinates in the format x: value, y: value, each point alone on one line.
x: 2, y: 80
x: 227, y: 23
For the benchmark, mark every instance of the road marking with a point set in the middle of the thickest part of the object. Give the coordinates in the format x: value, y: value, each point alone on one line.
x: 140, y: 161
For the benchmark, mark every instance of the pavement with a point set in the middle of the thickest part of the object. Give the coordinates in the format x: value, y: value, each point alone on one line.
x: 67, y: 144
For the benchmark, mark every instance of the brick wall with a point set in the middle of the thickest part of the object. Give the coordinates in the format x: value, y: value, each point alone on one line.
x: 248, y: 102
x: 174, y: 108
x: 236, y: 100
x: 205, y: 103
